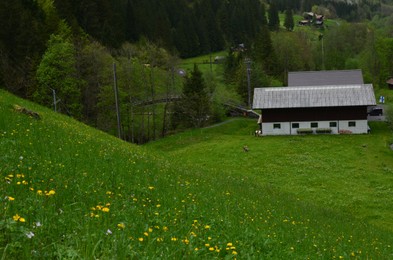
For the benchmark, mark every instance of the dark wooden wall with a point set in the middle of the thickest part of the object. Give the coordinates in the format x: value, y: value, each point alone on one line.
x: 314, y: 114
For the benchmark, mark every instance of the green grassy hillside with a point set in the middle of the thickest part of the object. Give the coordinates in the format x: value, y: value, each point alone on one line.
x: 69, y: 191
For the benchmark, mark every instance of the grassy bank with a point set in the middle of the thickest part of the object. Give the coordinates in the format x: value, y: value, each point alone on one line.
x: 69, y: 191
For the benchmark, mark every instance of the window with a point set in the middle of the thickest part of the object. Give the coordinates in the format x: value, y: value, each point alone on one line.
x: 295, y: 125
x: 314, y: 125
x: 333, y: 124
x: 352, y: 124
x: 276, y: 126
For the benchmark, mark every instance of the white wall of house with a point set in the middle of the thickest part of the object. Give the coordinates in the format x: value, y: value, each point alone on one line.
x: 290, y: 128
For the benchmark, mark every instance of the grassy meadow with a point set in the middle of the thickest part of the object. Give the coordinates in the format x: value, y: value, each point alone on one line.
x: 70, y: 191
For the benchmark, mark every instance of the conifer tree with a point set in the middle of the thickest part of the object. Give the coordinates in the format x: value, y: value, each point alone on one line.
x: 289, y: 23
x: 194, y: 108
x: 274, y: 20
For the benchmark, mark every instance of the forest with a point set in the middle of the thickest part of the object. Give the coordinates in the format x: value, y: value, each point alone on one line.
x: 63, y: 54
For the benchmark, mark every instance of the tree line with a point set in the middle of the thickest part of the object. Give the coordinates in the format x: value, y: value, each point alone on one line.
x: 61, y: 53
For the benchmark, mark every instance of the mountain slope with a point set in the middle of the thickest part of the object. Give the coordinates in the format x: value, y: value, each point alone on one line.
x: 69, y: 191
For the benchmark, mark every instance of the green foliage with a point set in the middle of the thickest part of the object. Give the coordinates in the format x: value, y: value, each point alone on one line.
x: 57, y: 71
x: 274, y: 20
x: 289, y: 23
x: 193, y: 110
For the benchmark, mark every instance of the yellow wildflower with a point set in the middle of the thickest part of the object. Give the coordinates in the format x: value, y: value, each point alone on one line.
x: 146, y: 234
x: 39, y: 192
x: 16, y: 217
x: 121, y: 225
x: 105, y: 209
x: 10, y: 198
x: 229, y: 244
x: 51, y: 192
x: 22, y: 220
x: 140, y: 239
x: 207, y: 227
x: 211, y: 248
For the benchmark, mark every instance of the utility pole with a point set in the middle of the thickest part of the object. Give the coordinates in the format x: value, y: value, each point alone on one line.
x: 54, y: 99
x: 323, y: 51
x: 117, y: 101
x: 248, y: 63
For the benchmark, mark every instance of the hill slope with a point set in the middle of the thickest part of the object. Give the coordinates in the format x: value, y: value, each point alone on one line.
x: 69, y: 191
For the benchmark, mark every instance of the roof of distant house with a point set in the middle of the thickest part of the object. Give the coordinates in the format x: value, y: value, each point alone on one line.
x: 390, y: 81
x: 325, y: 77
x: 314, y: 96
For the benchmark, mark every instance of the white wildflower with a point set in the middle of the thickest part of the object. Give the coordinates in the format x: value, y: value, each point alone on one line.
x: 30, y: 235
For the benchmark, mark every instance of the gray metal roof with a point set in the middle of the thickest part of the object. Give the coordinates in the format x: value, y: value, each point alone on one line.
x: 314, y: 96
x: 325, y: 77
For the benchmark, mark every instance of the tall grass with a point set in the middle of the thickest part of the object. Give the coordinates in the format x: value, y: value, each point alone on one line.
x: 69, y: 191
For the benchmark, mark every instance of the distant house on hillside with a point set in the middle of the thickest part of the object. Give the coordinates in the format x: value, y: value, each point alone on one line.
x: 312, y: 18
x: 314, y: 107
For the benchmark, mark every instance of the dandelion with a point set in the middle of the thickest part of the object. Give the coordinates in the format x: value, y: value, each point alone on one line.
x: 140, y: 239
x: 173, y: 239
x: 207, y: 227
x: 229, y: 244
x: 165, y: 228
x: 150, y: 230
x: 151, y: 188
x: 30, y: 235
x: 39, y: 192
x: 211, y: 248
x: 160, y: 239
x: 105, y: 209
x: 186, y: 241
x: 234, y: 253
x: 10, y: 198
x: 146, y: 234
x: 51, y: 192
x: 22, y: 220
x: 121, y: 225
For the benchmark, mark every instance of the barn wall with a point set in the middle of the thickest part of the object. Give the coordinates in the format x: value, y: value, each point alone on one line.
x: 361, y: 127
x: 314, y: 114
